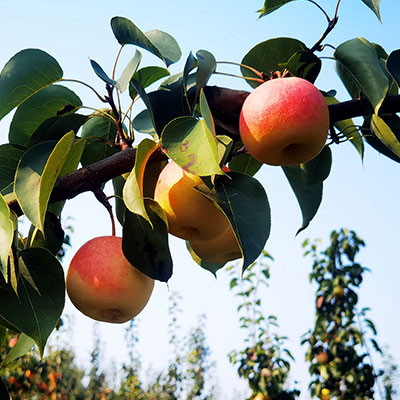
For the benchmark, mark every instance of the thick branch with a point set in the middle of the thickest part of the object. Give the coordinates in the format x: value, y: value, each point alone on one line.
x: 225, y: 105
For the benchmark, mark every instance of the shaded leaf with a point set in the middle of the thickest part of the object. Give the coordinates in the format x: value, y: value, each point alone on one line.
x: 100, y: 133
x: 359, y: 66
x: 101, y: 74
x: 3, y: 391
x: 147, y: 76
x: 143, y: 123
x: 37, y: 109
x: 245, y: 203
x: 56, y: 127
x: 270, y: 56
x: 36, y: 175
x: 206, y: 65
x: 33, y: 314
x: 211, y: 267
x: 272, y: 5
x: 159, y: 43
x: 306, y: 182
x: 393, y: 65
x: 9, y: 159
x: 245, y: 163
x: 145, y: 245
x: 25, y: 74
x: 118, y: 184
x: 304, y: 64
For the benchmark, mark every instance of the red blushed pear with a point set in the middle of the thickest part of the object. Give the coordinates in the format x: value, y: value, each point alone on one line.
x: 190, y: 215
x: 102, y: 284
x: 284, y: 121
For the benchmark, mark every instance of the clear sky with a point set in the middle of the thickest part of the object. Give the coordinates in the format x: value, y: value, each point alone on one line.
x: 360, y: 196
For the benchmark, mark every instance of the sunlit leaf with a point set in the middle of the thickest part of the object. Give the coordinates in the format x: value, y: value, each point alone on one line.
x: 128, y: 72
x: 385, y: 134
x: 6, y: 235
x: 36, y: 175
x: 25, y: 74
x: 374, y: 6
x: 133, y: 188
x: 23, y: 345
x: 189, y: 142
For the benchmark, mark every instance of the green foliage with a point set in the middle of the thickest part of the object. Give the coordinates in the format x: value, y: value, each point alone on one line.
x: 264, y: 363
x: 338, y: 348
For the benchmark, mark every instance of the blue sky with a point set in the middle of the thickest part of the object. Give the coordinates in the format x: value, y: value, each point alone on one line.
x: 360, y: 196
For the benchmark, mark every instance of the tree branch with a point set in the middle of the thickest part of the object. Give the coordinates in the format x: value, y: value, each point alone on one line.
x: 225, y: 105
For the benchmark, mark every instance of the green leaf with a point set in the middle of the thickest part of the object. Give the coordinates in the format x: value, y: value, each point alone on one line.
x: 37, y: 109
x: 56, y: 127
x: 189, y: 142
x: 393, y: 65
x: 145, y: 245
x: 9, y: 159
x: 133, y: 188
x: 393, y: 121
x: 211, y: 267
x: 166, y: 44
x: 348, y: 128
x: 270, y: 56
x: 24, y: 75
x: 130, y: 69
x: 143, y: 123
x: 385, y: 134
x: 118, y: 185
x: 101, y: 74
x: 205, y: 68
x: 374, y: 6
x: 23, y: 345
x: 71, y: 164
x: 161, y: 44
x: 359, y: 66
x: 53, y: 237
x: 306, y: 182
x: 304, y: 64
x: 245, y: 163
x: 245, y: 203
x: 6, y: 236
x: 147, y: 76
x: 206, y: 113
x: 100, y: 133
x: 33, y: 314
x: 272, y: 5
x: 3, y: 391
x: 36, y: 175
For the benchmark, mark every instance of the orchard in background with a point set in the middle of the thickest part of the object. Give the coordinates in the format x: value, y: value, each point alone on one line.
x: 215, y: 203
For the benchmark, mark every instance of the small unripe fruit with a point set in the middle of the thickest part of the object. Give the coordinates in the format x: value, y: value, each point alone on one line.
x: 284, y: 121
x: 322, y: 357
x: 102, y: 284
x: 190, y: 215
